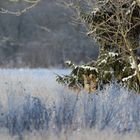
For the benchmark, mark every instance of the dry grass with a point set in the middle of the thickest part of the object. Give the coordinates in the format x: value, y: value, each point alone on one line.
x: 114, y: 110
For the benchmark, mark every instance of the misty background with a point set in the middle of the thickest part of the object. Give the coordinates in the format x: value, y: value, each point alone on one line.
x: 45, y: 36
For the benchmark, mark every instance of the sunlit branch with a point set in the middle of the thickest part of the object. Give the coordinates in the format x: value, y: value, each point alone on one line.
x: 22, y: 11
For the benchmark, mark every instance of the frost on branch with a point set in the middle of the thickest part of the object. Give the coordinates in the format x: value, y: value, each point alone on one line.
x: 115, y: 25
x: 94, y: 75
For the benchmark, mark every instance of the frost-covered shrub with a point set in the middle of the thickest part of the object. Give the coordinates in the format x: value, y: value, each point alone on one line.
x: 55, y: 110
x: 114, y: 109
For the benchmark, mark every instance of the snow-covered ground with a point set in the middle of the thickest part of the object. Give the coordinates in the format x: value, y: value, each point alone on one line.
x: 34, y: 107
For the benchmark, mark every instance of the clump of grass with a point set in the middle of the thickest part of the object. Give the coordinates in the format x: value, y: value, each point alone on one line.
x: 62, y: 113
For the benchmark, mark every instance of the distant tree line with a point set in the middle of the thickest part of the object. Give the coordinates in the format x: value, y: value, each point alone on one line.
x: 44, y: 36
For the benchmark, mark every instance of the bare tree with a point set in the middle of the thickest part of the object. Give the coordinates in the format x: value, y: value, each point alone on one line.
x: 115, y: 25
x: 118, y: 26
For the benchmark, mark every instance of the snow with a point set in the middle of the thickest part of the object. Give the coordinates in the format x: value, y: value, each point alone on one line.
x: 68, y: 62
x: 139, y: 66
x: 128, y: 12
x: 112, y: 54
x: 132, y: 63
x: 106, y: 72
x: 104, y: 61
x: 124, y: 69
x: 88, y: 67
x: 95, y: 11
x: 129, y: 77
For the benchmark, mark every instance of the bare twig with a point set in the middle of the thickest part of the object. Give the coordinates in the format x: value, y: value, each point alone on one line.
x: 20, y: 12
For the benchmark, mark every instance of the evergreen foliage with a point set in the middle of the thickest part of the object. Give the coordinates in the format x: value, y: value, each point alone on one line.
x: 115, y: 25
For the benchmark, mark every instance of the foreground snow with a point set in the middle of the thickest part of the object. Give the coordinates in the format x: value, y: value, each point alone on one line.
x: 34, y: 107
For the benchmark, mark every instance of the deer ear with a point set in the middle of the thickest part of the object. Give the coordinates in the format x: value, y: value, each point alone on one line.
x: 97, y: 79
x: 90, y: 76
x: 84, y: 76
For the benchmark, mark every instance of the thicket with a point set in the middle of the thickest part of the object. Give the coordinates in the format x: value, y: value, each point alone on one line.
x: 115, y: 25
